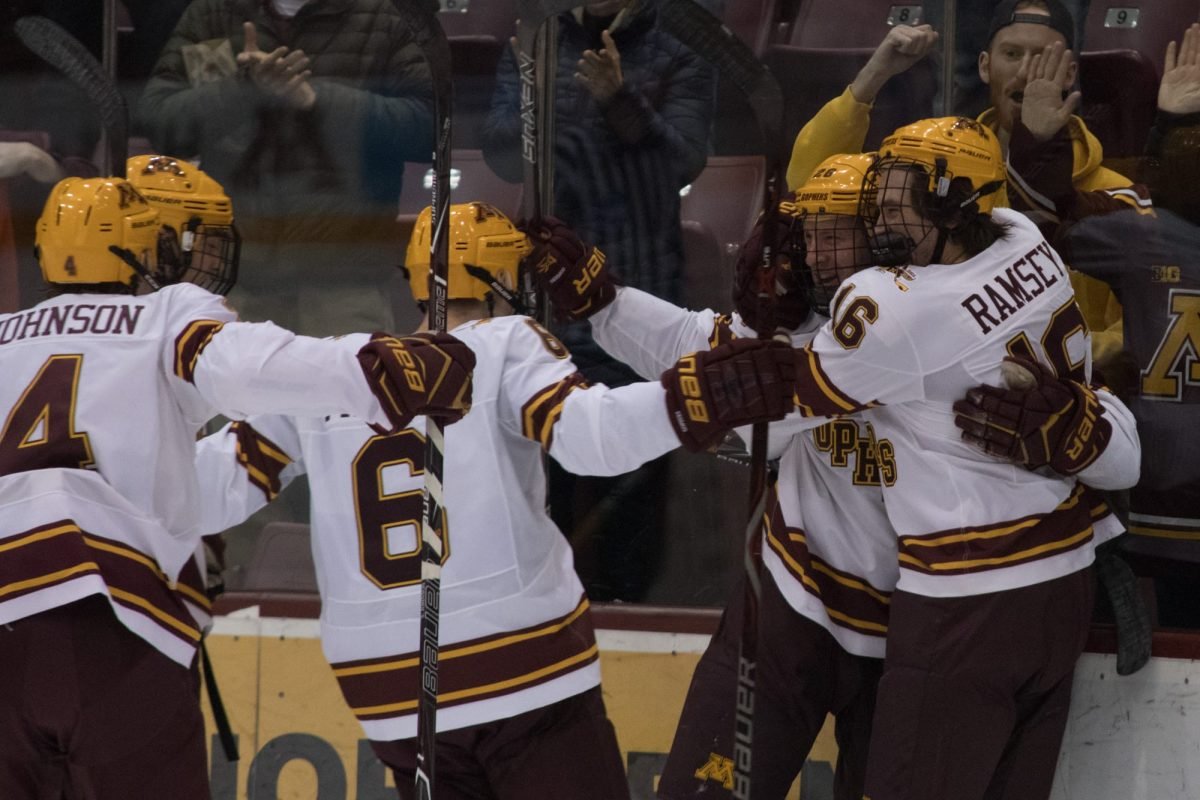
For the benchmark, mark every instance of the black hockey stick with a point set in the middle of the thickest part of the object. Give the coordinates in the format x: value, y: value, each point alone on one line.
x: 708, y: 38
x: 1130, y: 615
x: 63, y: 51
x: 537, y: 65
x: 431, y: 39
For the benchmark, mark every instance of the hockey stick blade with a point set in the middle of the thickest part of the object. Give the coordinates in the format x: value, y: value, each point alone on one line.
x: 64, y: 52
x: 1130, y: 615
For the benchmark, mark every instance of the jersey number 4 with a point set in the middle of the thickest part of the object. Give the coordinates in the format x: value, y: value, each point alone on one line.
x: 388, y: 495
x: 40, y: 430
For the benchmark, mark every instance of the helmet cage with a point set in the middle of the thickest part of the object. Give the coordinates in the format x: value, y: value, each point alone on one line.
x: 840, y: 247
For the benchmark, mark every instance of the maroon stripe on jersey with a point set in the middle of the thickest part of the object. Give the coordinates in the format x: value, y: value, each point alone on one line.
x: 190, y: 343
x: 192, y: 587
x: 541, y: 412
x: 60, y: 551
x: 722, y: 332
x: 849, y: 600
x: 262, y: 459
x: 816, y: 394
x: 1019, y: 541
x: 477, y: 669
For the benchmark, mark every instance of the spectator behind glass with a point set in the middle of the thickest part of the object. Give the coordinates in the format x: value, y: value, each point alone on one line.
x: 306, y: 113
x: 633, y: 112
x: 1020, y: 30
x: 970, y: 90
x: 1152, y: 263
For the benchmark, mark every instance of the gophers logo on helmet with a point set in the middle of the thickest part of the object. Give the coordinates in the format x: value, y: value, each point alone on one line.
x: 481, y: 238
x: 835, y: 185
x: 96, y: 231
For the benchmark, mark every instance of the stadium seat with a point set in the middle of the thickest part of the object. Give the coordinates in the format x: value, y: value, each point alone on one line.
x: 495, y: 18
x: 478, y: 31
x: 1143, y: 25
x: 753, y: 21
x: 726, y: 198
x: 811, y: 77
x: 706, y: 280
x: 282, y: 561
x: 850, y: 24
x: 1120, y: 89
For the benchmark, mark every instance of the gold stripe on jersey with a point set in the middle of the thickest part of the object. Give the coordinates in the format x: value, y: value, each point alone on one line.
x: 473, y: 670
x: 542, y: 411
x: 191, y: 343
x: 191, y: 585
x: 445, y: 698
x: 49, y: 579
x: 1009, y: 543
x: 262, y: 459
x: 816, y: 395
x: 722, y: 332
x: 59, y: 552
x: 849, y: 601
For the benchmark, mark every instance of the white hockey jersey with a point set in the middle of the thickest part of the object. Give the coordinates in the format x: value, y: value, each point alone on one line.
x: 515, y: 631
x: 102, y: 398
x: 913, y: 341
x: 827, y: 540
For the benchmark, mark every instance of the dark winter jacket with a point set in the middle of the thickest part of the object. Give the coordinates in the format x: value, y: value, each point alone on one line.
x: 618, y: 169
x: 373, y: 110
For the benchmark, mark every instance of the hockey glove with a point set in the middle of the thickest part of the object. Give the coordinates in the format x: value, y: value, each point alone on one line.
x: 792, y: 304
x: 571, y: 272
x: 739, y: 383
x: 1048, y: 421
x: 425, y: 373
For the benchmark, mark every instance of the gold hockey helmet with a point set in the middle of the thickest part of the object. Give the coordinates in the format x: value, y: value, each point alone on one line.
x: 481, y: 238
x: 835, y: 187
x: 96, y: 231
x: 949, y: 148
x: 205, y: 246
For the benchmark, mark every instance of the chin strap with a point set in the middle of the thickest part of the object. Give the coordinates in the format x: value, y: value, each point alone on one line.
x: 498, y: 288
x: 138, y: 267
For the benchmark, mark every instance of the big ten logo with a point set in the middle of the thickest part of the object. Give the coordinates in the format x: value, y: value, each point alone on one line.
x: 645, y: 770
x: 324, y: 767
x: 874, y: 460
x: 591, y: 269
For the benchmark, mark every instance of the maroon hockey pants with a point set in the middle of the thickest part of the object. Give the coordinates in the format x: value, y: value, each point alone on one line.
x: 802, y: 675
x: 91, y: 711
x: 565, y: 750
x: 976, y: 691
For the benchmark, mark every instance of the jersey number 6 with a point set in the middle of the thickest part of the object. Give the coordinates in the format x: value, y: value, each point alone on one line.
x: 387, y: 475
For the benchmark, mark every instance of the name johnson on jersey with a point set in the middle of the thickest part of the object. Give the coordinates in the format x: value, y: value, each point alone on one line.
x: 71, y: 318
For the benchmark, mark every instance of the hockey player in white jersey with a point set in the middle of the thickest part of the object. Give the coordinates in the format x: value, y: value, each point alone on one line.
x: 104, y: 390
x: 520, y: 708
x: 829, y: 549
x: 995, y: 591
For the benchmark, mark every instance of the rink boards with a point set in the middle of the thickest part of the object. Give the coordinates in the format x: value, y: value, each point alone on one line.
x: 1129, y: 738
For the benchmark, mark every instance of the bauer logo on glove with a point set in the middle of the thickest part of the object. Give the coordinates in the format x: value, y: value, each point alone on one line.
x: 574, y: 274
